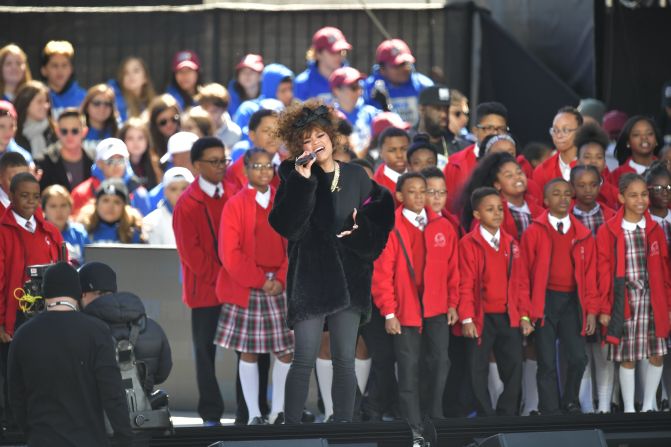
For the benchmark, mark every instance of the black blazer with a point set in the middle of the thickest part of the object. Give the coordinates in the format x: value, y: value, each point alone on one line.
x: 54, y: 172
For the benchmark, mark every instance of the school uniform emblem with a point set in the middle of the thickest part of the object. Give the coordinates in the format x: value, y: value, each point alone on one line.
x: 654, y: 248
x: 439, y: 240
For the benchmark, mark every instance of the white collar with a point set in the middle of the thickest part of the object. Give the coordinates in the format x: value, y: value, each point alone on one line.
x: 263, y: 198
x: 22, y: 222
x: 487, y: 236
x: 566, y: 221
x: 564, y: 168
x: 476, y: 150
x: 391, y: 174
x: 412, y: 216
x: 520, y: 209
x: 631, y: 226
x: 276, y: 159
x: 210, y: 188
x: 4, y: 198
x: 659, y: 220
x: 639, y: 168
x: 578, y: 212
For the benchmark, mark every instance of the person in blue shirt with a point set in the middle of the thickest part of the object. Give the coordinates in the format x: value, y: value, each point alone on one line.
x: 8, y: 130
x: 111, y: 219
x: 186, y: 78
x: 394, y: 76
x: 276, y: 83
x: 245, y: 85
x: 58, y: 72
x: 345, y: 85
x: 327, y: 53
x: 101, y: 116
x: 133, y: 89
x: 57, y: 206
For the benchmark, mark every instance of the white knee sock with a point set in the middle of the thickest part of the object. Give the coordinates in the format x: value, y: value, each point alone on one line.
x: 653, y: 375
x: 529, y: 386
x: 628, y: 385
x: 324, y: 370
x: 494, y: 383
x: 280, y: 371
x: 605, y: 372
x: 362, y: 370
x: 585, y: 394
x: 249, y: 380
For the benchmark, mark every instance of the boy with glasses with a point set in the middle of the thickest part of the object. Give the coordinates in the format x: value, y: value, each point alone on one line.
x: 65, y: 162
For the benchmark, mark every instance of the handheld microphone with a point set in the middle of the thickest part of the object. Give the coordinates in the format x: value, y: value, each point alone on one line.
x: 307, y: 158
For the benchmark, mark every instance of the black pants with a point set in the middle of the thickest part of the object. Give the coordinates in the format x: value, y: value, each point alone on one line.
x: 563, y: 321
x: 382, y: 388
x: 506, y: 342
x: 458, y: 399
x: 422, y: 354
x: 6, y: 412
x: 203, y: 329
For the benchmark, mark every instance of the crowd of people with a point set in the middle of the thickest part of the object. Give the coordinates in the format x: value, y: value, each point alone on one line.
x: 280, y: 193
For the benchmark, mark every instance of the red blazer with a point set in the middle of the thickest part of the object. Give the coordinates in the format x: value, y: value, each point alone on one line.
x: 385, y: 181
x: 12, y: 264
x: 614, y: 299
x: 196, y: 228
x: 237, y: 247
x: 548, y: 170
x: 620, y: 171
x: 393, y: 288
x: 84, y: 192
x: 536, y: 248
x: 454, y: 221
x: 508, y: 224
x: 525, y: 165
x: 237, y: 178
x: 608, y: 194
x: 459, y: 167
x: 472, y: 264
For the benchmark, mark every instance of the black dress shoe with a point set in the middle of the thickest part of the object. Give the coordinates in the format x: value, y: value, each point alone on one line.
x: 279, y: 420
x: 307, y: 417
x: 258, y: 421
x: 572, y: 409
x: 534, y: 413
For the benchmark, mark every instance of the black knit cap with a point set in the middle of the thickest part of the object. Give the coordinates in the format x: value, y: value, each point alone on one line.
x: 96, y: 276
x: 61, y: 280
x: 202, y: 144
x: 421, y: 141
x: 113, y: 186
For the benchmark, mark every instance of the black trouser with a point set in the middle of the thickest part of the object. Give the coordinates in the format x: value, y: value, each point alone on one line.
x: 506, y: 342
x: 458, y: 399
x: 203, y: 329
x: 6, y: 412
x: 422, y: 353
x: 563, y: 320
x: 382, y: 388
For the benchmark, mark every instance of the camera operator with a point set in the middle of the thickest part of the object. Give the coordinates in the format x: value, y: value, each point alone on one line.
x: 63, y: 372
x: 120, y: 310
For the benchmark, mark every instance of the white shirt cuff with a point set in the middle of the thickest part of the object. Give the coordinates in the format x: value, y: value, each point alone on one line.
x: 389, y: 316
x: 466, y: 320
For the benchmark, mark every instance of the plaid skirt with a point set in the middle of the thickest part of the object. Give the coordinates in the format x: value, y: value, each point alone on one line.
x: 260, y: 328
x: 638, y: 340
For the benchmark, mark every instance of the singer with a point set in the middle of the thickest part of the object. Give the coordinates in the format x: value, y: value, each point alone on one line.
x: 337, y: 222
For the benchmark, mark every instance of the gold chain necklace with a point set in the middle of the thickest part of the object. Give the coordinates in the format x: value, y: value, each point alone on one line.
x: 336, y: 177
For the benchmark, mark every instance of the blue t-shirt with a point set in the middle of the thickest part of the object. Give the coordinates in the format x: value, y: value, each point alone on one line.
x: 155, y: 196
x: 311, y: 84
x: 75, y: 237
x: 404, y: 97
x: 71, y: 96
x: 107, y: 233
x: 361, y: 118
x: 13, y: 146
x: 173, y: 91
x: 93, y: 137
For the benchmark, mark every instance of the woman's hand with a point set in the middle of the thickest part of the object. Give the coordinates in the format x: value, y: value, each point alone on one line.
x: 354, y: 227
x: 306, y: 169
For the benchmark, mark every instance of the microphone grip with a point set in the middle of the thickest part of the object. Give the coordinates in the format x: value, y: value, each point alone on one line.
x: 302, y: 161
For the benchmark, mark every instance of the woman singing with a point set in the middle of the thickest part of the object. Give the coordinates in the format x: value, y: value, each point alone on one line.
x: 337, y: 222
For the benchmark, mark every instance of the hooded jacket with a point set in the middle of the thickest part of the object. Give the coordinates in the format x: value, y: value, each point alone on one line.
x: 613, y: 296
x: 311, y: 84
x: 152, y: 350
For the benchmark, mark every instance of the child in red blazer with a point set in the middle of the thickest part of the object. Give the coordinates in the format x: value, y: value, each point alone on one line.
x: 415, y: 286
x: 489, y: 261
x: 251, y: 286
x: 586, y: 181
x: 635, y: 290
x: 636, y: 147
x: 592, y: 142
x: 393, y: 143
x: 436, y: 196
x: 558, y: 289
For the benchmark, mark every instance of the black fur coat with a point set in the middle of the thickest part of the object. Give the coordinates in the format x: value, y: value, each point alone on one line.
x: 327, y: 274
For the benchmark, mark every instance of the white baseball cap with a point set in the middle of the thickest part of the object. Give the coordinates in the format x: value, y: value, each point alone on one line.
x: 176, y: 174
x: 179, y: 143
x: 109, y: 147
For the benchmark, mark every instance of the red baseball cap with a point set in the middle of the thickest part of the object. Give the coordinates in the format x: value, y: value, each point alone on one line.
x: 251, y: 61
x: 185, y: 59
x: 8, y: 107
x: 344, y: 76
x: 613, y: 123
x: 331, y: 39
x: 394, y: 52
x: 385, y: 120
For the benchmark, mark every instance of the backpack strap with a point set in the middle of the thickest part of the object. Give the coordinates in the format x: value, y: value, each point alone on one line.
x: 410, y: 269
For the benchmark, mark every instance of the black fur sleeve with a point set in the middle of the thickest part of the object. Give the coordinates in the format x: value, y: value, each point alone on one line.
x: 375, y: 219
x: 294, y: 203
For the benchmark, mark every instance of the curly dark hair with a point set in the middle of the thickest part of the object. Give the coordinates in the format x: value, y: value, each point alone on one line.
x: 292, y: 135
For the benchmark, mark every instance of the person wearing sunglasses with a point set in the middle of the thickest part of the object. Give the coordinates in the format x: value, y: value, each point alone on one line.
x: 164, y: 121
x: 102, y: 119
x: 65, y: 162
